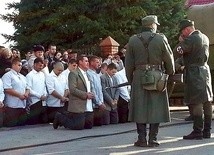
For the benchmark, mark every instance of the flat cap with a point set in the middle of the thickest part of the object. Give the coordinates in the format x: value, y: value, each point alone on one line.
x: 38, y: 48
x: 185, y: 23
x: 150, y: 19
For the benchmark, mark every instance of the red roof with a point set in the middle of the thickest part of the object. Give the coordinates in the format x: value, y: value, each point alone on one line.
x: 109, y: 41
x: 197, y: 2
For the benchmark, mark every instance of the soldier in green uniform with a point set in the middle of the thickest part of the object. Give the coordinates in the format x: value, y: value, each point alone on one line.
x: 198, y: 95
x: 148, y: 106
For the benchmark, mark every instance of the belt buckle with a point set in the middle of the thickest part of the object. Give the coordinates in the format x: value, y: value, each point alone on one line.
x: 147, y: 67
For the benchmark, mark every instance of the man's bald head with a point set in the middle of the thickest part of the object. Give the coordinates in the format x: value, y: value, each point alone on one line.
x: 58, y: 68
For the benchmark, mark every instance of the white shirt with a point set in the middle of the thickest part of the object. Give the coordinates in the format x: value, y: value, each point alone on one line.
x: 1, y: 91
x: 66, y: 73
x: 16, y: 81
x: 57, y: 83
x: 88, y: 86
x: 121, y: 78
x: 45, y: 70
x: 37, y: 86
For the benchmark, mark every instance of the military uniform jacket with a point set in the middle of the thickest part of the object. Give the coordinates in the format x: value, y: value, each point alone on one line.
x: 148, y: 106
x: 195, y: 51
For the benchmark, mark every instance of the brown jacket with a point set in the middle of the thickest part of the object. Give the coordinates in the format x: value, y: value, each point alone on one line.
x: 78, y: 92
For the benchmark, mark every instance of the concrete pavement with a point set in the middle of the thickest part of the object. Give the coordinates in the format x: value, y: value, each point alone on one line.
x: 110, y: 139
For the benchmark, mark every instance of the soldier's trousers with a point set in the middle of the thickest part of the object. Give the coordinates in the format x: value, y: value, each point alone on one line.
x: 199, y: 112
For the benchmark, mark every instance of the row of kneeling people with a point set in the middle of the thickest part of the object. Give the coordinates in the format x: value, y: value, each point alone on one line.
x: 76, y: 99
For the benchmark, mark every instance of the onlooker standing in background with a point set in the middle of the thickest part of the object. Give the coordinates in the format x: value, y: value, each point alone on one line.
x: 38, y: 52
x: 50, y: 56
x: 38, y: 94
x: 16, y: 93
x: 71, y: 54
x: 57, y: 88
x: 5, y: 60
x: 1, y: 102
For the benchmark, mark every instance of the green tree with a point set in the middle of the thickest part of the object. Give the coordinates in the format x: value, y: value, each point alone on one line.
x: 81, y: 23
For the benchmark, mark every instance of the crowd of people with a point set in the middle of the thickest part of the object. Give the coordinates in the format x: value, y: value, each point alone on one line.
x: 80, y: 91
x: 65, y: 89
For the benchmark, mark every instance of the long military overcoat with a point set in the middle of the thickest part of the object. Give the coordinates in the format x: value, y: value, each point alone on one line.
x: 148, y: 106
x: 195, y: 51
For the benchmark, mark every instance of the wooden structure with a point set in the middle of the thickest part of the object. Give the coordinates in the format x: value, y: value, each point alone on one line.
x: 109, y: 46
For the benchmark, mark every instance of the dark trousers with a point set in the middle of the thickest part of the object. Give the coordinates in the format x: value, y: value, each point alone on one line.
x: 110, y: 117
x: 75, y: 121
x: 198, y: 110
x: 98, y: 117
x: 14, y: 117
x: 142, y: 131
x: 38, y: 114
x: 123, y: 110
x: 51, y: 111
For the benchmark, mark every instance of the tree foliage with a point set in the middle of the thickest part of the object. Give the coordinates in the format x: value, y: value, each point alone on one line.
x: 81, y: 23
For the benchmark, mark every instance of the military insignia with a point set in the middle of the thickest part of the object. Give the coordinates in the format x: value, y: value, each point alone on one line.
x: 179, y: 50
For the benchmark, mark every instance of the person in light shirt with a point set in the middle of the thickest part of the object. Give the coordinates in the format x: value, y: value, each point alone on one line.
x: 123, y: 101
x: 72, y: 65
x: 80, y: 109
x: 16, y: 93
x: 57, y: 88
x: 1, y: 102
x: 98, y: 103
x: 38, y: 93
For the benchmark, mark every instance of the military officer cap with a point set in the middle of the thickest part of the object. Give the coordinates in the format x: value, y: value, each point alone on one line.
x: 185, y: 23
x: 148, y: 20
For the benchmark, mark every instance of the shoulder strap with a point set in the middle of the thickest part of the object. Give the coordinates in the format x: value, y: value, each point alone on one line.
x: 146, y: 42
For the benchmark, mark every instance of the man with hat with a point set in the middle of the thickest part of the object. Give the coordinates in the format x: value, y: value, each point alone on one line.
x: 194, y: 47
x: 147, y: 51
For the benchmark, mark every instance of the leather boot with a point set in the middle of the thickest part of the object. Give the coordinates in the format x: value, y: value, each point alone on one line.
x: 153, y: 132
x: 141, y: 130
x: 56, y: 121
x: 207, y: 126
x: 197, y: 129
x: 59, y: 120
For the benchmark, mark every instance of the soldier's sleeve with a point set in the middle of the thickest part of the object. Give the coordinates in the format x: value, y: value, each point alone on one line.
x: 168, y: 57
x: 184, y: 46
x: 129, y: 61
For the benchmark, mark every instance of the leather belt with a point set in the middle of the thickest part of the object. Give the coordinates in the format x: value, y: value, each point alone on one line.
x: 149, y: 67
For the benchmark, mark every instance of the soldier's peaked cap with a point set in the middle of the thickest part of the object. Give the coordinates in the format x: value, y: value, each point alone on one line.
x: 185, y: 23
x: 150, y: 19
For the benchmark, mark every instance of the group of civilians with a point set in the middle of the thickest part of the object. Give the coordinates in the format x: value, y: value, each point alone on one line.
x: 66, y: 89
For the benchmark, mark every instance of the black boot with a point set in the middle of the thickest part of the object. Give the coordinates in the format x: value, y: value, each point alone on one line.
x: 207, y: 126
x: 56, y: 121
x: 197, y: 129
x: 153, y: 132
x: 141, y: 130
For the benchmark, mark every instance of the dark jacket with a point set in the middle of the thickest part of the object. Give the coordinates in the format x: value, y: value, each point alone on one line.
x: 195, y: 51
